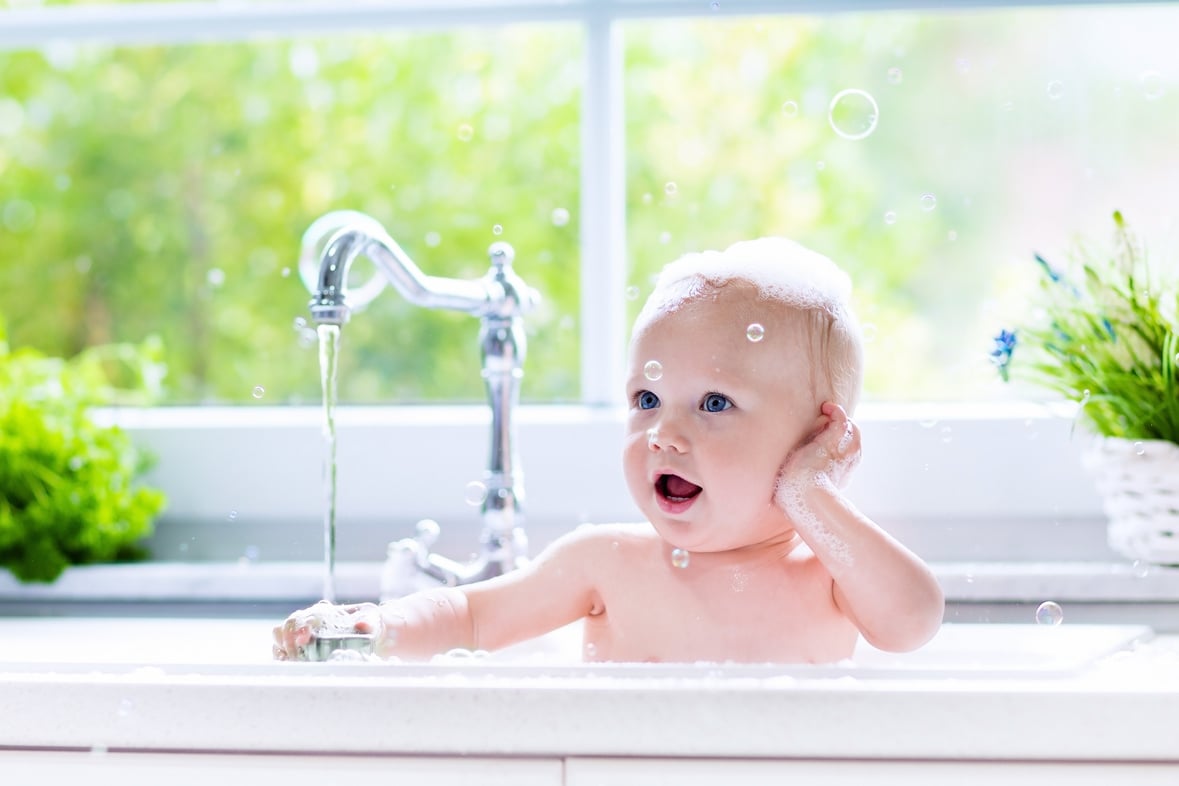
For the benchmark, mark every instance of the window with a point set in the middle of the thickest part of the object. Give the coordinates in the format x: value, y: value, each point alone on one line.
x: 160, y: 162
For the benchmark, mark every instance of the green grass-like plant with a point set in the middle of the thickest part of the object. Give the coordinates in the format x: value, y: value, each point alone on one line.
x: 1103, y: 334
x: 68, y: 490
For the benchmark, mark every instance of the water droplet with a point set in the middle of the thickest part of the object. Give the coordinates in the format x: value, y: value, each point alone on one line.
x: 670, y: 189
x: 1055, y: 89
x: 299, y: 323
x: 1141, y: 569
x: 895, y: 76
x: 928, y: 202
x: 653, y: 370
x: 465, y: 133
x: 790, y: 109
x: 890, y: 218
x: 1152, y: 85
x: 259, y: 391
x: 475, y: 492
x: 853, y: 114
x: 1049, y: 613
x: 1139, y: 449
x: 680, y: 558
x: 632, y: 293
x: 560, y: 217
x: 590, y: 650
x: 497, y: 230
x: 231, y: 516
x: 215, y: 277
x: 868, y: 331
x: 755, y: 332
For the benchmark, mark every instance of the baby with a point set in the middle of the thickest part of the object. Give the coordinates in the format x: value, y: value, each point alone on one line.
x: 744, y: 368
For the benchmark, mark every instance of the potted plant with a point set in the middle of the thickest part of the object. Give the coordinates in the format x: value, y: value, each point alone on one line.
x: 69, y: 490
x: 1103, y: 334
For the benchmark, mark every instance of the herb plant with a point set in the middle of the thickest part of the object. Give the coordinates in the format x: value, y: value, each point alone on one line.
x: 68, y: 492
x: 1104, y: 336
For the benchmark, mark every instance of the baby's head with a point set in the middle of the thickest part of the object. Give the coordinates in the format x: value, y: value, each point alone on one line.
x: 809, y: 289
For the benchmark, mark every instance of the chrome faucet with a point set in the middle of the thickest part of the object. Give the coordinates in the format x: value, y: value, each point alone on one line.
x: 500, y: 299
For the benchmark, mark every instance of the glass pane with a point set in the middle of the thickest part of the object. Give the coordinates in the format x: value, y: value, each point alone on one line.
x: 974, y: 140
x: 165, y: 190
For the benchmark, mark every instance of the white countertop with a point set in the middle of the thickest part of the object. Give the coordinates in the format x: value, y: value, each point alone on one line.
x: 976, y: 692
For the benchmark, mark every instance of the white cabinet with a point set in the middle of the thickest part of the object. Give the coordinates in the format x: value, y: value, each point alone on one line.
x: 249, y: 769
x: 747, y: 772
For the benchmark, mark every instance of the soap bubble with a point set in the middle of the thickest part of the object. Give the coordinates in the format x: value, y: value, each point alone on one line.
x: 632, y: 293
x: 680, y: 558
x: 1049, y: 613
x: 497, y: 230
x: 465, y: 133
x: 670, y: 189
x: 475, y: 492
x: 928, y: 202
x: 790, y: 109
x: 853, y: 114
x: 653, y: 370
x: 259, y: 391
x: 215, y: 277
x: 232, y: 516
x: 890, y: 217
x: 1055, y: 89
x: 755, y: 332
x: 560, y: 217
x: 1139, y: 449
x: 895, y: 76
x: 590, y: 650
x: 1152, y: 85
x: 433, y: 239
x: 1141, y: 569
x: 286, y: 272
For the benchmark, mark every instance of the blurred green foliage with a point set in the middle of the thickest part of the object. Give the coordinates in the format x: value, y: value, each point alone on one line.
x: 165, y: 189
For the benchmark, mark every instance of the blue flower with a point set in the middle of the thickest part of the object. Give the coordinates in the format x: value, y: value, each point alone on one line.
x: 1001, y: 354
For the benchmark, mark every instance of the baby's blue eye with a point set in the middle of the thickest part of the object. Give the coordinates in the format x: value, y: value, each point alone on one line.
x: 715, y: 402
x: 646, y: 400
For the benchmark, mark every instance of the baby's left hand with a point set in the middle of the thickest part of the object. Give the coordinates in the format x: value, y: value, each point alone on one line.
x: 832, y: 451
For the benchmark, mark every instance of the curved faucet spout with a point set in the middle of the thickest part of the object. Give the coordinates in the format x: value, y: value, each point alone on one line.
x: 330, y: 301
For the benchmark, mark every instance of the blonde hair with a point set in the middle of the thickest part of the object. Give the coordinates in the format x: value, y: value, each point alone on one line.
x: 785, y: 272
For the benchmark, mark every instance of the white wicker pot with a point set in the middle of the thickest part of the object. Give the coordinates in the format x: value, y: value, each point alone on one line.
x: 1139, y: 485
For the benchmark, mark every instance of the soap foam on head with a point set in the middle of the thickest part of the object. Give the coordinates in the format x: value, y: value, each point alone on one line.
x: 780, y: 268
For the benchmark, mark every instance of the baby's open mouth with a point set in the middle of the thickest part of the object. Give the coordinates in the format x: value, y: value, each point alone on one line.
x: 675, y: 488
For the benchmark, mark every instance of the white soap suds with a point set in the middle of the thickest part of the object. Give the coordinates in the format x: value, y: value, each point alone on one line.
x: 780, y: 268
x: 790, y: 495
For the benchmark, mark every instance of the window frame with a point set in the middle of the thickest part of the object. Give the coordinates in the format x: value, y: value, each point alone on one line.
x: 1012, y: 466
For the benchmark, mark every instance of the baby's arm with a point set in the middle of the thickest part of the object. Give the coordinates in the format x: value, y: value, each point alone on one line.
x: 885, y: 589
x: 552, y: 591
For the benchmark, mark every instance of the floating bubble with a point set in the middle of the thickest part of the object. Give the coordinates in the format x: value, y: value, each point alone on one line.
x: 952, y: 235
x: 299, y: 323
x: 1141, y: 569
x: 258, y: 391
x: 653, y: 370
x: 755, y: 332
x: 475, y: 492
x: 853, y: 114
x: 670, y: 189
x: 1152, y: 85
x: 560, y: 217
x: 1049, y: 613
x: 680, y: 558
x: 465, y: 133
x: 895, y: 76
x: 647, y: 198
x: 890, y: 217
x: 928, y: 202
x: 632, y: 293
x: 590, y: 650
x: 215, y: 277
x: 433, y: 239
x: 231, y: 516
x: 1139, y: 449
x: 790, y: 109
x: 497, y: 230
x: 1055, y: 89
x: 286, y: 272
x: 947, y: 434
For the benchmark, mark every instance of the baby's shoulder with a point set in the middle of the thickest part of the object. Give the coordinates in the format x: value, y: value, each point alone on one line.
x: 614, y: 538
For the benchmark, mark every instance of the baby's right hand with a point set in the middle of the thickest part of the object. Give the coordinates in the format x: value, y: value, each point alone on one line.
x: 304, y: 626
